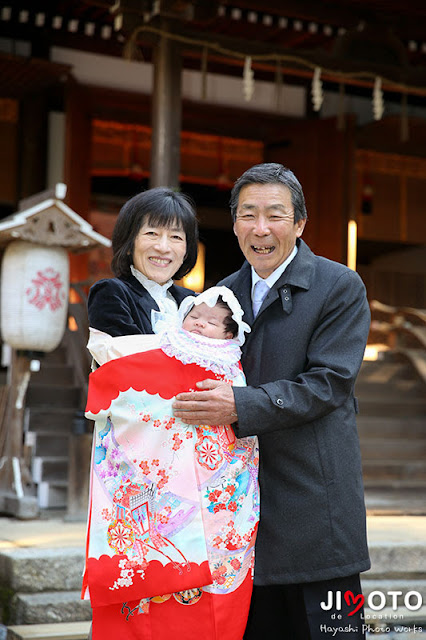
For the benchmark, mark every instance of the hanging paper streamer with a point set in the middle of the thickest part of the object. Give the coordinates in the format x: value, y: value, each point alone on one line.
x: 317, y: 92
x: 248, y: 81
x: 378, y: 107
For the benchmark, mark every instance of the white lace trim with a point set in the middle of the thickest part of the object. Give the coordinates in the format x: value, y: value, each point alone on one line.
x: 220, y: 356
x: 160, y: 292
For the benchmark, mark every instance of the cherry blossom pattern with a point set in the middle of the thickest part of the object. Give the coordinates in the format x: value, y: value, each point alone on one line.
x: 126, y: 575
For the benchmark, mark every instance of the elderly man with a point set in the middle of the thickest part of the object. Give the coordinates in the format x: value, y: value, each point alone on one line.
x: 310, y: 321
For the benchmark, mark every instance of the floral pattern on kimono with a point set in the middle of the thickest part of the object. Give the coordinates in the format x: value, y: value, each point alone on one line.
x: 173, y: 508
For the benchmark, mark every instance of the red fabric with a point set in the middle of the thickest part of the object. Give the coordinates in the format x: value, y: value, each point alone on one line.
x: 156, y: 376
x: 105, y: 570
x: 213, y: 617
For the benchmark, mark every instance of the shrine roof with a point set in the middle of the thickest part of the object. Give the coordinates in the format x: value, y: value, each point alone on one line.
x: 45, y: 219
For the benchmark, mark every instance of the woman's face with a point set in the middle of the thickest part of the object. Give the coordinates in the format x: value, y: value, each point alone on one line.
x: 159, y: 251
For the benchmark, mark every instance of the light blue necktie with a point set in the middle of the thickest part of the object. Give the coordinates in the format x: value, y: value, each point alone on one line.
x: 260, y: 292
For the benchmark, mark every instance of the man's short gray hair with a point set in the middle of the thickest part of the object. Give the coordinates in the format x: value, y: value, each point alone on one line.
x: 271, y: 173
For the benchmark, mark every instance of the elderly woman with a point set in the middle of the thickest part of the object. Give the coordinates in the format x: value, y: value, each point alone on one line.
x: 154, y: 240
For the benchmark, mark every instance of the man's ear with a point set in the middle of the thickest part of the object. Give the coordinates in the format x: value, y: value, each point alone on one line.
x: 300, y: 224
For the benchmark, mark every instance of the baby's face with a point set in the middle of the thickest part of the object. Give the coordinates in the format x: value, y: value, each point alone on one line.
x: 207, y: 321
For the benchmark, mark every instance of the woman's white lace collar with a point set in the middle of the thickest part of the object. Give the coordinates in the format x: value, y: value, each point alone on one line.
x: 219, y: 356
x: 152, y: 287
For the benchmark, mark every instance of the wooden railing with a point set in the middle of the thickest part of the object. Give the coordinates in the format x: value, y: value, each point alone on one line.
x: 403, y: 329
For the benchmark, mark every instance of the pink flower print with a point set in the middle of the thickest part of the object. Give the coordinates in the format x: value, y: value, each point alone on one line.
x: 209, y: 454
x: 164, y: 479
x: 146, y: 417
x: 219, y: 575
x: 219, y: 507
x: 155, y: 463
x: 120, y: 536
x: 157, y: 423
x: 169, y: 422
x: 144, y: 466
x: 188, y: 435
x: 230, y: 489
x: 235, y: 564
x: 177, y: 442
x: 232, y: 506
x: 164, y: 516
x: 214, y: 495
x: 217, y: 541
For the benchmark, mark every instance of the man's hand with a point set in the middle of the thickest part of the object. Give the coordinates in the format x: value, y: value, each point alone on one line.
x: 214, y: 405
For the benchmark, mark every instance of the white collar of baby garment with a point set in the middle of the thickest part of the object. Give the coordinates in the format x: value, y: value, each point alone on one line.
x: 217, y: 355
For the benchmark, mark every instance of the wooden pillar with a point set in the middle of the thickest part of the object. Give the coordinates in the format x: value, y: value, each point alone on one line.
x: 15, y: 477
x: 78, y: 129
x: 166, y: 113
x: 33, y: 145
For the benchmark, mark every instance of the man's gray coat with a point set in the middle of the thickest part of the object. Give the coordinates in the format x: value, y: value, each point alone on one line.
x: 301, y: 361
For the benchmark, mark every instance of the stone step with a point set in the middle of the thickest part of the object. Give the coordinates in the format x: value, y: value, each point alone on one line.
x: 385, y: 500
x: 392, y: 407
x: 395, y: 471
x: 48, y: 418
x: 390, y: 486
x: 389, y: 427
x: 53, y: 494
x: 385, y: 369
x: 35, y: 569
x: 55, y: 631
x: 52, y: 395
x: 49, y: 607
x: 400, y: 388
x: 50, y: 443
x: 54, y: 374
x: 397, y: 449
x: 396, y: 561
x: 49, y: 469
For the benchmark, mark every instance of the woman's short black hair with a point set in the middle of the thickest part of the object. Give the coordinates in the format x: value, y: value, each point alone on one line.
x: 160, y: 207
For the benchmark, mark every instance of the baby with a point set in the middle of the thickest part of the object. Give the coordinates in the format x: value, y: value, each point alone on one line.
x: 211, y: 322
x: 173, y: 507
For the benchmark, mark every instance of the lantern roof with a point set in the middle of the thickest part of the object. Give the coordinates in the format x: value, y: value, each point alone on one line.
x: 45, y: 219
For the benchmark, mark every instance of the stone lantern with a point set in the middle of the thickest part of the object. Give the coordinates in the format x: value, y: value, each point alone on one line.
x: 33, y: 314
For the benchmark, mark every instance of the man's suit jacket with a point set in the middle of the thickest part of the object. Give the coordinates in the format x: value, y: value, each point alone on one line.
x: 301, y: 361
x: 122, y: 306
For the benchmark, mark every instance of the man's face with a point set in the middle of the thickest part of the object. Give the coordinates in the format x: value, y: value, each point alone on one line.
x: 265, y: 226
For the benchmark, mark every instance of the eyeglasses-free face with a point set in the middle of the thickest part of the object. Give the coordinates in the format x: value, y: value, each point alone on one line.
x: 207, y: 321
x: 159, y: 252
x: 265, y: 226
